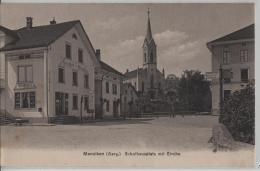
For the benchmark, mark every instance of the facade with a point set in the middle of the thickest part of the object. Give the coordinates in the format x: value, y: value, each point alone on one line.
x: 235, y: 54
x: 108, y: 83
x: 129, y: 100
x: 49, y: 71
x: 147, y: 79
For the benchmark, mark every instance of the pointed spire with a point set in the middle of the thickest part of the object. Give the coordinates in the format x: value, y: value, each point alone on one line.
x: 149, y: 31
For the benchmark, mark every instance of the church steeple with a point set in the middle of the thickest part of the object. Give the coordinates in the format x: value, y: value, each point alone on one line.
x: 149, y: 30
x: 149, y: 47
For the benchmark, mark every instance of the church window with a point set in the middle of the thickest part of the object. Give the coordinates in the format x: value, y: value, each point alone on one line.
x: 151, y: 58
x: 152, y: 81
x: 142, y: 86
x: 144, y: 57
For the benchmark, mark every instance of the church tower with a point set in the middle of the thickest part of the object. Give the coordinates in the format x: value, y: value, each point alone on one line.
x: 149, y: 48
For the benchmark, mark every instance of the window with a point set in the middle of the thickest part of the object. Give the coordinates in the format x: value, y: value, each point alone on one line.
x: 244, y: 56
x: 227, y: 94
x: 26, y: 56
x: 75, y: 102
x: 86, y: 103
x: 135, y: 84
x: 107, y: 106
x: 74, y: 36
x: 159, y: 85
x: 142, y: 86
x: 17, y: 100
x: 86, y: 81
x: 125, y: 91
x: 74, y: 78
x: 61, y: 75
x: 24, y: 100
x: 244, y: 75
x: 114, y: 87
x: 25, y: 73
x: 107, y: 87
x: 144, y: 57
x: 80, y: 55
x: 226, y: 57
x: 151, y: 58
x: 227, y: 75
x: 68, y: 51
x: 152, y: 81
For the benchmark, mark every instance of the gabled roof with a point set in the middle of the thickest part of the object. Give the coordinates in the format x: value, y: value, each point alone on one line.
x: 9, y: 32
x: 39, y: 36
x: 109, y: 68
x: 244, y: 33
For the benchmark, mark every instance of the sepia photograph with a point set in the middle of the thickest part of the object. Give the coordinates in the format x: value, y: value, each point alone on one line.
x: 127, y: 85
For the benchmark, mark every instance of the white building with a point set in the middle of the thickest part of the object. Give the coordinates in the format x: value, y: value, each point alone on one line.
x: 235, y: 53
x: 49, y: 70
x: 108, y: 83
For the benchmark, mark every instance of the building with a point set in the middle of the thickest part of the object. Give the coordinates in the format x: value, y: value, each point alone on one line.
x: 49, y: 71
x: 108, y: 83
x: 235, y: 54
x: 129, y: 100
x: 147, y: 79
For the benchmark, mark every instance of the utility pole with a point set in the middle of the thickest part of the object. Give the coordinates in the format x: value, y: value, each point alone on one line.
x: 220, y: 89
x: 81, y: 101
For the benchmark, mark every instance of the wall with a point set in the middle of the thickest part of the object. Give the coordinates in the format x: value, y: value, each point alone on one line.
x: 111, y: 79
x: 56, y: 59
x: 235, y: 65
x: 128, y: 95
x: 12, y: 64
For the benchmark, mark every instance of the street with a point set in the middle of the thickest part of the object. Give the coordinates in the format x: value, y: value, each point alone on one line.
x: 174, y: 135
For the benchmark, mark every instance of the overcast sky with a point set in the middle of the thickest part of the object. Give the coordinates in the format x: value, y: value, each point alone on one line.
x: 180, y: 30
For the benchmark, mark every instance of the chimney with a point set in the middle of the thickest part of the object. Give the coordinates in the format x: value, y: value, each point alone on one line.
x: 53, y: 21
x: 29, y: 22
x: 98, y: 55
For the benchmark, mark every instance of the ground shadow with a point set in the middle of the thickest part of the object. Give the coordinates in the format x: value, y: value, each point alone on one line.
x: 118, y: 122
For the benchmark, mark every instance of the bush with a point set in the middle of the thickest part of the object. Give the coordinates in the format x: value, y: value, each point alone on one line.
x: 239, y: 114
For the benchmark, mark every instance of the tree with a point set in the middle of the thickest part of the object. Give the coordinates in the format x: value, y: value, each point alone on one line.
x: 239, y: 114
x: 193, y: 92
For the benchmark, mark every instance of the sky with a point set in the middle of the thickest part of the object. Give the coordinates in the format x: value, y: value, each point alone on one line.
x: 180, y: 31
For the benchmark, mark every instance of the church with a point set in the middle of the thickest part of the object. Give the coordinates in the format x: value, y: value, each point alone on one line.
x: 147, y: 79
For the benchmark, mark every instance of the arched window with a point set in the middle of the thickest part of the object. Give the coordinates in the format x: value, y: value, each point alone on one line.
x: 151, y: 58
x: 152, y: 81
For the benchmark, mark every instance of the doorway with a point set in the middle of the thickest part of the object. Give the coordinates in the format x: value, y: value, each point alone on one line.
x: 61, y: 103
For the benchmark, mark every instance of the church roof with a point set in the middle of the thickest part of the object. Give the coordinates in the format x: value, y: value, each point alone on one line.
x: 149, y: 30
x: 132, y: 74
x: 141, y: 71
